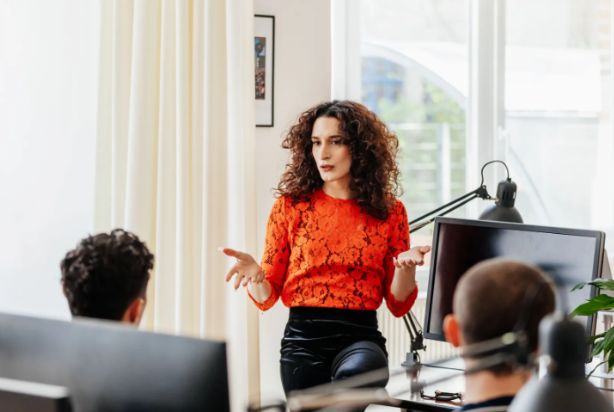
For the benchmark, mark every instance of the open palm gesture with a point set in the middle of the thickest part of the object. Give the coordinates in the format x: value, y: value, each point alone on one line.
x: 245, y: 269
x: 411, y: 257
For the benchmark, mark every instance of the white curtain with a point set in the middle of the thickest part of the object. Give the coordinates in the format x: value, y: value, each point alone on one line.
x: 175, y: 161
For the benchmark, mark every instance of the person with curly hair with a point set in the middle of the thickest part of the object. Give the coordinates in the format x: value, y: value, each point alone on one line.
x: 337, y: 245
x: 106, y: 277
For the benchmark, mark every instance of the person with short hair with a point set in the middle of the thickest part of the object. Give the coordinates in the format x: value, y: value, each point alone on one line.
x: 492, y: 298
x: 106, y: 277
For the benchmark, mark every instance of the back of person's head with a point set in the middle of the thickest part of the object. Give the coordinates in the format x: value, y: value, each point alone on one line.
x: 106, y: 275
x: 499, y: 296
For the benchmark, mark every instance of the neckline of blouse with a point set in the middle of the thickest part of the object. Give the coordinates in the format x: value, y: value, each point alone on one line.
x: 336, y: 199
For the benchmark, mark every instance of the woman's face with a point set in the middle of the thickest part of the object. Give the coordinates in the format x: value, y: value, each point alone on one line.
x: 330, y: 152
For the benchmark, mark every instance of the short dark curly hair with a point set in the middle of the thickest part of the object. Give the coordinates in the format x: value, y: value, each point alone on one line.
x: 374, y: 171
x: 105, y: 273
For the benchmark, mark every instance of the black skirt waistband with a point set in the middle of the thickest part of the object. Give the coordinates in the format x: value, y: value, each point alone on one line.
x: 329, y: 330
x: 364, y: 317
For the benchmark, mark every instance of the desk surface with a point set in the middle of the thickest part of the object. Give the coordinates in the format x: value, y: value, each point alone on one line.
x: 447, y: 379
x: 399, y: 387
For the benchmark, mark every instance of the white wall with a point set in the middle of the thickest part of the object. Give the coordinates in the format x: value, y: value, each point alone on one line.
x: 48, y: 88
x: 302, y: 79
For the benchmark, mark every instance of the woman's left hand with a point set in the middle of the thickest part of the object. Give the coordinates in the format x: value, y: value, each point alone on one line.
x: 412, y: 257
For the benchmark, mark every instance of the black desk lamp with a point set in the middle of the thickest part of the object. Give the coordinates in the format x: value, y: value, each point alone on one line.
x: 503, y: 211
x: 565, y: 387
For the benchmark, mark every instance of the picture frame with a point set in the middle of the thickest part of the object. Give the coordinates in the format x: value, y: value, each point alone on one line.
x: 264, y: 65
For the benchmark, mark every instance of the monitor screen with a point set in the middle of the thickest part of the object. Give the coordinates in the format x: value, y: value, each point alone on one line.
x: 458, y: 244
x: 111, y: 367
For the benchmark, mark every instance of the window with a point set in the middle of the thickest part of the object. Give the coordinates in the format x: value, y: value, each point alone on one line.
x: 464, y: 82
x: 558, y: 96
x: 414, y: 66
x: 48, y: 97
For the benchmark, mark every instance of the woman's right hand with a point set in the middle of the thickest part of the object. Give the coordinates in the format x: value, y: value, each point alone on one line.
x: 246, y: 269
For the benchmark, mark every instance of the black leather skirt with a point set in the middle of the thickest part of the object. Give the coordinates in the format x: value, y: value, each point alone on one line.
x: 325, y: 330
x: 315, y: 336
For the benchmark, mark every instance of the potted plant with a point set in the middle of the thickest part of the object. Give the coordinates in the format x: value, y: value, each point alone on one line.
x: 603, y: 343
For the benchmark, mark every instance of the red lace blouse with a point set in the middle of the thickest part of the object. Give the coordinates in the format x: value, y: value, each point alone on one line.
x: 328, y: 252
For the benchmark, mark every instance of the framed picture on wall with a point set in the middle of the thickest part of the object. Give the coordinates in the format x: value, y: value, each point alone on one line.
x: 264, y: 53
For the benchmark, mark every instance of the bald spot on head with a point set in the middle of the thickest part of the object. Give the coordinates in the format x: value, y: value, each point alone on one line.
x: 493, y: 296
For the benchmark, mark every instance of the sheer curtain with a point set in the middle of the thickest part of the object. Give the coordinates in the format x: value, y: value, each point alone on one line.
x: 175, y: 161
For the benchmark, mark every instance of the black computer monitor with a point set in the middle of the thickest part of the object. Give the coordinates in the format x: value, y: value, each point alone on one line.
x: 570, y: 254
x: 23, y: 396
x: 110, y: 367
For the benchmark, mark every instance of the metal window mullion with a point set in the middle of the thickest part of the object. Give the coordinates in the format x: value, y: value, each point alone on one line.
x: 345, y: 50
x: 445, y: 161
x: 486, y: 108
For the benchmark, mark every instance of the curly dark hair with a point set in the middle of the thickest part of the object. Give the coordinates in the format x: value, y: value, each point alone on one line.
x: 105, y: 273
x: 374, y: 171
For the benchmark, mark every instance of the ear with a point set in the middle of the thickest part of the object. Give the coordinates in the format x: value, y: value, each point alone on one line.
x: 64, y: 290
x: 451, y: 330
x: 134, y: 312
x: 65, y: 293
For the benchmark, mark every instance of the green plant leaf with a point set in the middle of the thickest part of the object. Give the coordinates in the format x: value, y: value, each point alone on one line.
x: 598, y: 347
x: 606, y: 345
x: 594, y: 305
x: 603, y: 284
x: 593, y: 338
x: 608, y: 341
x: 610, y: 357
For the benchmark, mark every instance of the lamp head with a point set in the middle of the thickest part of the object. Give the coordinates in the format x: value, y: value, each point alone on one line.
x: 504, y: 210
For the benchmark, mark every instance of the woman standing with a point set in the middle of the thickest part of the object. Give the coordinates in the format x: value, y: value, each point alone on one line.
x: 337, y: 244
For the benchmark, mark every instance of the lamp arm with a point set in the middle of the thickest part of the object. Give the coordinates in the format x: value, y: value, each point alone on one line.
x: 411, y: 322
x: 418, y: 342
x: 410, y: 330
x: 416, y: 338
x: 419, y: 226
x: 415, y: 332
x: 480, y: 192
